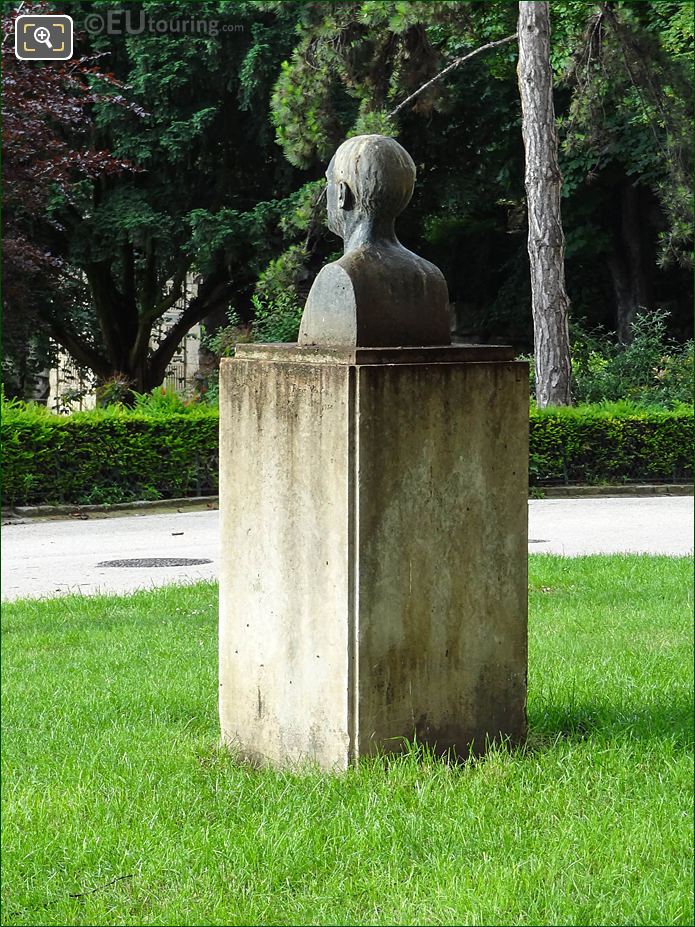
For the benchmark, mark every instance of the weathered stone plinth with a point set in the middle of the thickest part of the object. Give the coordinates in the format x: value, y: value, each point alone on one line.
x: 373, y: 582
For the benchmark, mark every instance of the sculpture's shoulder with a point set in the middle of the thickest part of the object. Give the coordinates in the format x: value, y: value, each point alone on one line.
x: 333, y: 287
x: 330, y: 312
x: 400, y: 270
x: 386, y: 256
x: 377, y: 294
x: 427, y: 268
x: 334, y: 276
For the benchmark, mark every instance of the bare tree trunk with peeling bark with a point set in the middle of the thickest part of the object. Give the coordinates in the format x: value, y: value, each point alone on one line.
x: 546, y: 241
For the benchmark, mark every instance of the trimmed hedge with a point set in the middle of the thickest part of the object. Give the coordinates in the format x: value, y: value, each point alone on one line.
x: 600, y: 444
x: 97, y: 457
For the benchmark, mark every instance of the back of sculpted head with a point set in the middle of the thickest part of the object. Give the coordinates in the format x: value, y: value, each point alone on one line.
x: 378, y: 293
x: 371, y: 175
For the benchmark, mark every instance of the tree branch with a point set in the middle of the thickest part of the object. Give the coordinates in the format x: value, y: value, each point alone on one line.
x: 170, y: 299
x: 149, y: 282
x: 141, y: 342
x: 450, y: 67
x: 78, y: 350
x: 214, y: 294
x: 614, y: 22
x: 315, y: 207
x: 108, y: 304
x: 128, y: 258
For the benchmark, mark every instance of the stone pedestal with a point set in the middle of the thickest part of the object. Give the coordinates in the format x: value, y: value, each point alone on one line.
x: 373, y: 579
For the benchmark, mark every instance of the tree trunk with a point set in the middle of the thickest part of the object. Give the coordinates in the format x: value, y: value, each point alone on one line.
x: 127, y: 353
x: 628, y: 262
x: 546, y: 241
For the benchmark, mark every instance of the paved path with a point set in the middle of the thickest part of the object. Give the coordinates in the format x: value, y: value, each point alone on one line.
x: 611, y: 525
x: 53, y: 557
x: 46, y: 558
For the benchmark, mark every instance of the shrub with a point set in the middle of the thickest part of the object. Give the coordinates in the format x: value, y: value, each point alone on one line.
x: 111, y: 455
x: 116, y: 455
x: 276, y: 318
x: 616, y: 443
x: 113, y: 391
x: 162, y: 402
x: 223, y: 340
x: 650, y: 371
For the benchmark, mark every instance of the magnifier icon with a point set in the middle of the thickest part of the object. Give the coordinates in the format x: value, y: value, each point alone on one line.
x: 41, y: 34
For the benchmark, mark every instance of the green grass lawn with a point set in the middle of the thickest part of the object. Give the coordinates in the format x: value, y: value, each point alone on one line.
x: 119, y: 808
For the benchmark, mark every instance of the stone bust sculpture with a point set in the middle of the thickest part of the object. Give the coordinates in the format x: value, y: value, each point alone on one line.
x: 378, y: 294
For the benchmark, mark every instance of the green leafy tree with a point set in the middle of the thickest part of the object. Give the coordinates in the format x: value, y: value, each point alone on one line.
x: 356, y: 63
x: 628, y: 149
x: 209, y: 192
x: 625, y: 206
x: 205, y: 187
x: 48, y: 152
